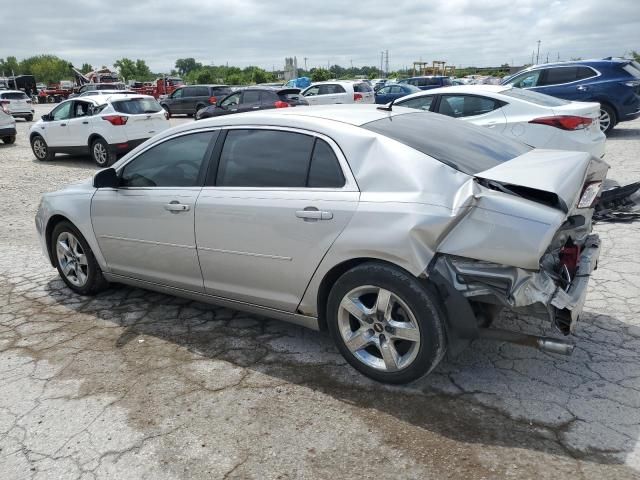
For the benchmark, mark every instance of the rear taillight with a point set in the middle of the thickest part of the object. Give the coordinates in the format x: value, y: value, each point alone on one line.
x: 281, y: 104
x: 589, y: 195
x: 116, y: 120
x: 564, y: 122
x: 570, y: 258
x: 213, y: 100
x: 356, y: 97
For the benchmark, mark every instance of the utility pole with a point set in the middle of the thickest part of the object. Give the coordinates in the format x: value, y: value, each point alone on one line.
x: 381, y: 61
x: 386, y: 65
x: 532, y: 54
x: 305, y: 63
x: 351, y: 64
x: 547, y: 57
x: 538, y: 54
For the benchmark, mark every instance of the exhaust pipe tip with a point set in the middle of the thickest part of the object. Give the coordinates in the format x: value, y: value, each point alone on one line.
x: 552, y: 345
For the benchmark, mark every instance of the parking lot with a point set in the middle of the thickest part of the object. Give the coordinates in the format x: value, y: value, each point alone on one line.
x: 135, y: 384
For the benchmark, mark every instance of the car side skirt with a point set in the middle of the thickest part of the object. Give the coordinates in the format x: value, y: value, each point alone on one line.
x: 295, y: 318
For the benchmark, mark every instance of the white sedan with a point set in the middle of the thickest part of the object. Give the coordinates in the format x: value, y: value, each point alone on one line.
x: 104, y: 126
x: 536, y: 119
x: 327, y: 93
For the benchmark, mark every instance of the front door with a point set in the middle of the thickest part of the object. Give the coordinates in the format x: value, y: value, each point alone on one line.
x: 79, y: 124
x: 264, y: 223
x: 145, y: 228
x: 56, y: 130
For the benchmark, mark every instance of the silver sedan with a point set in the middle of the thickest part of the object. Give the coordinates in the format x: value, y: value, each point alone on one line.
x: 403, y: 233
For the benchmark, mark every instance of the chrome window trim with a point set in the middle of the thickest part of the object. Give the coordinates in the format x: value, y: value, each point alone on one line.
x: 597, y: 74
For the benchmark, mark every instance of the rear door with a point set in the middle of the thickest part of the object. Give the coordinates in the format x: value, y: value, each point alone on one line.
x: 263, y: 223
x: 189, y: 100
x: 250, y: 100
x: 558, y: 82
x: 176, y: 101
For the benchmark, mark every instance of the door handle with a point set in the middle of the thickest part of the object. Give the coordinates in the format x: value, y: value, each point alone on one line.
x: 312, y: 213
x: 255, y: 108
x: 582, y: 88
x: 176, y: 207
x: 63, y: 124
x: 85, y: 123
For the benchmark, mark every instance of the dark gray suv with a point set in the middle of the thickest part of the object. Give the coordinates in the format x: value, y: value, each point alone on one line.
x: 189, y: 99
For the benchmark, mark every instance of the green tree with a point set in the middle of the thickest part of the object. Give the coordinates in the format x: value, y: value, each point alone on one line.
x: 9, y: 65
x: 635, y: 55
x: 204, y: 76
x: 86, y: 68
x: 126, y: 67
x: 320, y: 74
x: 186, y: 65
x: 46, y: 68
x: 143, y: 72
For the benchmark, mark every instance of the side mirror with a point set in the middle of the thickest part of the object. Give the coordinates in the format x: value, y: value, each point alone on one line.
x: 46, y: 117
x: 107, y: 178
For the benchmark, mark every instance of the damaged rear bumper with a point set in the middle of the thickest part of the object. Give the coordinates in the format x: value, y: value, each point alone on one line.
x: 534, y: 292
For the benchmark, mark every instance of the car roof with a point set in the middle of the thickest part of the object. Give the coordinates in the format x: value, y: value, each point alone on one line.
x: 589, y: 63
x: 206, y: 85
x: 102, y: 99
x: 11, y: 91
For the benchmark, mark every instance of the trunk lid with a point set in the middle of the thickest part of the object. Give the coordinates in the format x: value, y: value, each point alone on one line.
x: 146, y: 125
x: 538, y: 173
x: 580, y: 109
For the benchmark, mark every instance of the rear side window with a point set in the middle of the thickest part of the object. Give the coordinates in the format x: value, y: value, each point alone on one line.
x: 446, y: 81
x: 134, y: 106
x: 559, y: 75
x: 264, y: 158
x: 202, y: 91
x: 467, y: 105
x: 584, y: 73
x: 221, y: 91
x: 330, y: 89
x: 362, y: 87
x: 325, y: 171
x: 189, y: 92
x: 251, y: 96
x: 535, y: 97
x: 463, y: 146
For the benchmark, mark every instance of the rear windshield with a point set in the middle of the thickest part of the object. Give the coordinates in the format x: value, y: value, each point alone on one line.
x: 465, y: 147
x: 15, y: 96
x: 137, y: 105
x: 362, y: 87
x: 535, y: 97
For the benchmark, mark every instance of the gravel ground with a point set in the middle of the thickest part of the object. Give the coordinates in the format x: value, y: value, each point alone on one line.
x: 133, y: 384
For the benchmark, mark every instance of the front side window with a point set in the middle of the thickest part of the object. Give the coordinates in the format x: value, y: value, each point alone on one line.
x: 331, y: 89
x: 526, y: 80
x: 174, y: 163
x: 62, y: 112
x: 312, y: 91
x: 251, y: 96
x: 264, y: 158
x: 396, y: 89
x: 384, y: 90
x: 177, y: 93
x: 231, y: 100
x: 420, y: 103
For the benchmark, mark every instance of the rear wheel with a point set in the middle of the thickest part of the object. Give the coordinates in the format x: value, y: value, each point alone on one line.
x: 75, y: 261
x: 9, y: 140
x: 101, y: 153
x: 386, y: 323
x: 608, y: 118
x: 40, y: 148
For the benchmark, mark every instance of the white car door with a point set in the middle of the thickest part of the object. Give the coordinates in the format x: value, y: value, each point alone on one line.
x: 55, y: 130
x: 477, y: 109
x: 262, y: 223
x: 145, y: 228
x: 79, y: 125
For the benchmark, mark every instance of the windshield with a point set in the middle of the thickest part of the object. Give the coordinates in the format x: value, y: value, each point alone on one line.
x: 535, y: 97
x: 135, y: 106
x: 463, y: 146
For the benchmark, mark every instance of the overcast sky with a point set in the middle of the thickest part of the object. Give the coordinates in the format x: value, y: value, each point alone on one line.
x: 254, y: 32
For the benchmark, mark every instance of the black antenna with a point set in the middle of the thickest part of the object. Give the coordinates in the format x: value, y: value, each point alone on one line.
x: 387, y: 108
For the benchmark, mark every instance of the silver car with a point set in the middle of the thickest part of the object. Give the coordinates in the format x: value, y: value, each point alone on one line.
x: 403, y: 233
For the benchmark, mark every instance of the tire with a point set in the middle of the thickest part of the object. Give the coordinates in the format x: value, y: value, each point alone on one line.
x: 608, y: 118
x: 51, y: 99
x: 413, y: 341
x: 198, y: 108
x: 166, y: 109
x: 102, y: 154
x: 71, y: 254
x: 9, y: 140
x: 41, y: 149
x: 29, y: 118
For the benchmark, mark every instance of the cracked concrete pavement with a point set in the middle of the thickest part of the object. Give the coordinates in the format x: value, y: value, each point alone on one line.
x: 134, y: 384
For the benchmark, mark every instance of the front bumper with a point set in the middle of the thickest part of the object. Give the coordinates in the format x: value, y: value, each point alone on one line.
x: 8, y: 132
x: 125, y: 147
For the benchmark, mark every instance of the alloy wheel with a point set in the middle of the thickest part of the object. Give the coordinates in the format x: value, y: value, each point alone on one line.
x: 39, y: 148
x: 100, y: 153
x: 378, y: 328
x: 605, y: 120
x: 72, y: 259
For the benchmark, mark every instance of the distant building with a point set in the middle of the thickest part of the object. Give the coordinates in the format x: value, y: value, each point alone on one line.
x: 290, y: 68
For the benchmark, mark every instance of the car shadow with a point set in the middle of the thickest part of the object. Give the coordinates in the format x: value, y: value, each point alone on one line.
x: 582, y: 407
x: 624, y: 134
x: 83, y: 162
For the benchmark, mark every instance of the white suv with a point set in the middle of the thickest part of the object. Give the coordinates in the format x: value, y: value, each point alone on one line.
x: 7, y: 127
x: 325, y: 93
x: 103, y: 126
x: 17, y: 104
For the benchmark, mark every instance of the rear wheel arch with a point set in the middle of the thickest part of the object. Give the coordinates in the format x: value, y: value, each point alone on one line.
x: 335, y: 273
x: 93, y: 137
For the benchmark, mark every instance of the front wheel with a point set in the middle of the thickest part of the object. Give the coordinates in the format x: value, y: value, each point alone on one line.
x: 166, y: 109
x: 102, y: 154
x: 29, y: 118
x: 386, y: 323
x: 41, y: 149
x: 9, y: 140
x: 608, y: 118
x: 75, y: 261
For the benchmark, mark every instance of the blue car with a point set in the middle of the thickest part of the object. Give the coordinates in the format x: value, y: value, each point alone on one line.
x: 428, y: 82
x: 391, y: 92
x: 614, y: 83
